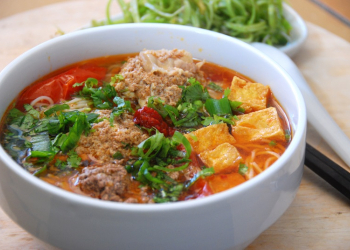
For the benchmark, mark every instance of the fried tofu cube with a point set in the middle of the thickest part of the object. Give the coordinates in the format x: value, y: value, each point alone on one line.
x: 252, y: 95
x: 224, y: 158
x: 262, y: 124
x: 210, y: 137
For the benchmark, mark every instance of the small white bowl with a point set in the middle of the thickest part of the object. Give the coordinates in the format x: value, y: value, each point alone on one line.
x: 298, y: 33
x: 228, y: 220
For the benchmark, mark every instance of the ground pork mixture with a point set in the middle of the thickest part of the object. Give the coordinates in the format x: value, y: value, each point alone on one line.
x: 158, y: 73
x: 108, y: 182
x: 106, y: 140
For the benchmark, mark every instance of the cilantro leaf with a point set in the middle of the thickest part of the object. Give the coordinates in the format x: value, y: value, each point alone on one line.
x: 101, y: 96
x: 73, y: 159
x: 30, y: 110
x: 195, y: 91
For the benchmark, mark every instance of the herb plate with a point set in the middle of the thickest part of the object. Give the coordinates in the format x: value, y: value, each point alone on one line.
x: 297, y: 37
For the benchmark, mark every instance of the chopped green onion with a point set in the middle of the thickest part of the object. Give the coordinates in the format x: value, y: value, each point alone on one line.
x: 218, y: 107
x: 54, y: 109
x: 242, y: 169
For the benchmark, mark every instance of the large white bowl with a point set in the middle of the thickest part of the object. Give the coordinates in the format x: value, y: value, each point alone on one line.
x: 228, y: 220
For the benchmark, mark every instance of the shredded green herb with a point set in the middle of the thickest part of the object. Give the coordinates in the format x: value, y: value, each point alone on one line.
x: 248, y: 20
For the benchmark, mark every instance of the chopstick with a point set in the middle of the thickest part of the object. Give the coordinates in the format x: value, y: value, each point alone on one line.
x: 327, y: 169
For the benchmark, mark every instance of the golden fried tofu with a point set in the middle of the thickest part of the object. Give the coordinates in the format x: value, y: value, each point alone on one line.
x: 210, y: 137
x: 252, y: 95
x: 262, y: 124
x: 223, y: 158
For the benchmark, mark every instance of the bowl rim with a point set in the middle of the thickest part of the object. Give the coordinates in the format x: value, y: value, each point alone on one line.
x: 108, y: 205
x: 293, y: 47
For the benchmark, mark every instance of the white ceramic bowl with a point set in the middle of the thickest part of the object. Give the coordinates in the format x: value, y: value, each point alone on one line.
x: 298, y: 33
x: 228, y: 220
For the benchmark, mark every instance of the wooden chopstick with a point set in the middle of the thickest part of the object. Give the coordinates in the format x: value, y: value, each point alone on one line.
x: 327, y: 169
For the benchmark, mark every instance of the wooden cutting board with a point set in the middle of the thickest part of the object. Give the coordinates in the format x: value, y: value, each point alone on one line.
x: 319, y: 217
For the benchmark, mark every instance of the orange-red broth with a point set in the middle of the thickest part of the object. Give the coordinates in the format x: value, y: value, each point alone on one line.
x: 203, y: 187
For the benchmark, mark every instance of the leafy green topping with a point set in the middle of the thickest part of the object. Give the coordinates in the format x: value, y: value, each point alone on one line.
x: 158, y: 105
x: 217, y: 119
x: 203, y: 173
x: 235, y: 106
x: 89, y: 83
x: 43, y: 138
x: 27, y: 122
x: 40, y: 142
x: 30, y: 110
x: 155, y: 155
x: 105, y: 97
x: 185, y: 115
x: 61, y: 164
x: 55, y: 108
x: 80, y: 125
x: 102, y: 97
x: 42, y: 154
x: 41, y: 170
x: 116, y: 78
x: 189, y: 111
x: 14, y: 114
x: 122, y: 106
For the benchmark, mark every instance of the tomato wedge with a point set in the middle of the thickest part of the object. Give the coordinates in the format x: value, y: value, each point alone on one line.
x: 61, y: 86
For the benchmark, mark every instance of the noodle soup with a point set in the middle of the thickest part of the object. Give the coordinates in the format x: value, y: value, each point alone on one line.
x: 152, y: 127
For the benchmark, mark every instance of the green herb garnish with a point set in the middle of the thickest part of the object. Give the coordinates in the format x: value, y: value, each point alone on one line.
x: 215, y: 87
x: 242, y: 169
x: 155, y: 155
x: 73, y: 159
x: 117, y: 155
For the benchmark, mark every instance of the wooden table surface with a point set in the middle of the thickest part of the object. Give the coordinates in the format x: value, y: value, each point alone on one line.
x: 319, y: 217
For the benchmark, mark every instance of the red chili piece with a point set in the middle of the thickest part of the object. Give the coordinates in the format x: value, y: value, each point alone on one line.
x: 149, y: 118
